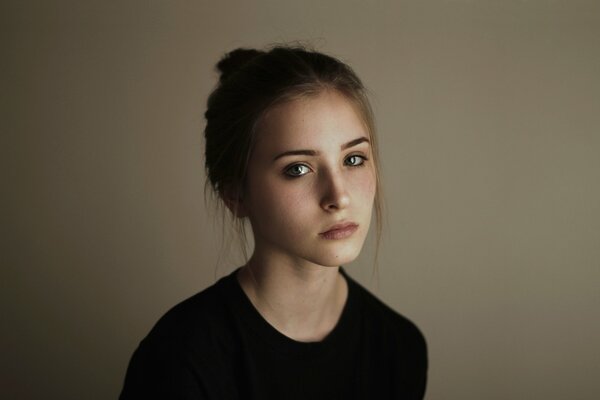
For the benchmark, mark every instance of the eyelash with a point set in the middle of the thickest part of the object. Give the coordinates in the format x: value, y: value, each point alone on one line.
x: 362, y: 164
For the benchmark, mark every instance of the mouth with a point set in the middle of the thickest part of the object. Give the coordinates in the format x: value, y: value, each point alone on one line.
x: 339, y: 231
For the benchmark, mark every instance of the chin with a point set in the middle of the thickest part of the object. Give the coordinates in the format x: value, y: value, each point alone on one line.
x: 335, y: 258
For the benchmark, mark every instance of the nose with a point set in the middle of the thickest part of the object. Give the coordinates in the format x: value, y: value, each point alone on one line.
x: 335, y: 195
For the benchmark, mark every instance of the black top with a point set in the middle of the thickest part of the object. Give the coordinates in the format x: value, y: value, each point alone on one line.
x: 216, y: 345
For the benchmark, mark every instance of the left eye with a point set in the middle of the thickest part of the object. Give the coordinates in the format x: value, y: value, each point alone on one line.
x: 355, y: 160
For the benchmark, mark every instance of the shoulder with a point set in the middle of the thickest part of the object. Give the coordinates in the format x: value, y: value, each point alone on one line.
x: 399, y: 339
x: 196, y: 330
x: 201, y: 317
x: 390, y: 326
x: 184, y: 352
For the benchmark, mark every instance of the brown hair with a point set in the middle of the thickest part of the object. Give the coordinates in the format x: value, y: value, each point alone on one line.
x: 253, y: 81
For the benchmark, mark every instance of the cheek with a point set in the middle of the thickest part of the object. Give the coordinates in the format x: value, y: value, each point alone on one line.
x: 275, y: 202
x: 365, y: 185
x: 290, y: 202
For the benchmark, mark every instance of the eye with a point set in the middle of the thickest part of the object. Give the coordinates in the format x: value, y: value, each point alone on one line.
x: 355, y: 160
x: 297, y: 170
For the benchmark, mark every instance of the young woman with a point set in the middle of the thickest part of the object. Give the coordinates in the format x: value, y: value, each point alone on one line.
x: 290, y: 148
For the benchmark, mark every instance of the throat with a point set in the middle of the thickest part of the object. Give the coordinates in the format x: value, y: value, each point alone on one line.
x: 298, y: 311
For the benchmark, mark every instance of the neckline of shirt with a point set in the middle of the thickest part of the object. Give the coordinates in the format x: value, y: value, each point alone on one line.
x: 277, y: 341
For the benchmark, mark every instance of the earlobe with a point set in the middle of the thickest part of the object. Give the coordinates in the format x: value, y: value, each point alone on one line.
x: 234, y: 202
x: 237, y: 208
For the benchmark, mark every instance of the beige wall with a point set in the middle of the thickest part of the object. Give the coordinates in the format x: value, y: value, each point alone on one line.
x: 489, y: 120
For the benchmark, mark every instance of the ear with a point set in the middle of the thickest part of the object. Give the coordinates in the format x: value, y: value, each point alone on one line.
x: 234, y: 201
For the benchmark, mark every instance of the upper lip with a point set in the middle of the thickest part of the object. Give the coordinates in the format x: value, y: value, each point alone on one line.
x: 340, y: 225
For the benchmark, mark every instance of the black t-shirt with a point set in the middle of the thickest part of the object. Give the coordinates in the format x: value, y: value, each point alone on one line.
x: 216, y: 345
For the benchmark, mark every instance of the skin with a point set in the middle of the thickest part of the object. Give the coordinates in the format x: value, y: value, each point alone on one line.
x: 293, y: 277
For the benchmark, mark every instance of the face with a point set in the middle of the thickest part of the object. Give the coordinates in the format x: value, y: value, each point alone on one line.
x: 311, y: 182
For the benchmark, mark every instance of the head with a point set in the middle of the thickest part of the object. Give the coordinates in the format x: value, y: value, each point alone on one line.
x: 256, y: 87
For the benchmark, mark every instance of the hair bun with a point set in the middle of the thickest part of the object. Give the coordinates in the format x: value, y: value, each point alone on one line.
x: 235, y: 60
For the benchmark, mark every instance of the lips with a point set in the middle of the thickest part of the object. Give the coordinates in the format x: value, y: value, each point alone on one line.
x: 339, y: 231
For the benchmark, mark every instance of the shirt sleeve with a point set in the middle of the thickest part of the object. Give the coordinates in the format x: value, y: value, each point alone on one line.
x: 411, y: 365
x: 419, y: 367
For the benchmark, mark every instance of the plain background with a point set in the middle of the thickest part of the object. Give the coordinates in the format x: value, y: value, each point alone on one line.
x: 489, y: 123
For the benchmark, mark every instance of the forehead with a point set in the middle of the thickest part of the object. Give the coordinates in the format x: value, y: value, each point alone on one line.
x: 326, y: 120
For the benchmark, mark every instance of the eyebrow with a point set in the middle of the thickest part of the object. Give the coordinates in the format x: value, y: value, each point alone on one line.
x: 303, y: 152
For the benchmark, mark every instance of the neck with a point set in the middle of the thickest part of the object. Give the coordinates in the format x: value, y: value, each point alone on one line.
x: 301, y: 300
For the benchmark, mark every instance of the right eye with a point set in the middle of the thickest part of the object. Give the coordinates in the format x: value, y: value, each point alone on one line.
x: 297, y: 170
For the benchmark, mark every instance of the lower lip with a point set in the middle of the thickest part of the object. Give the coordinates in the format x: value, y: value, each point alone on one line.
x: 343, y: 233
